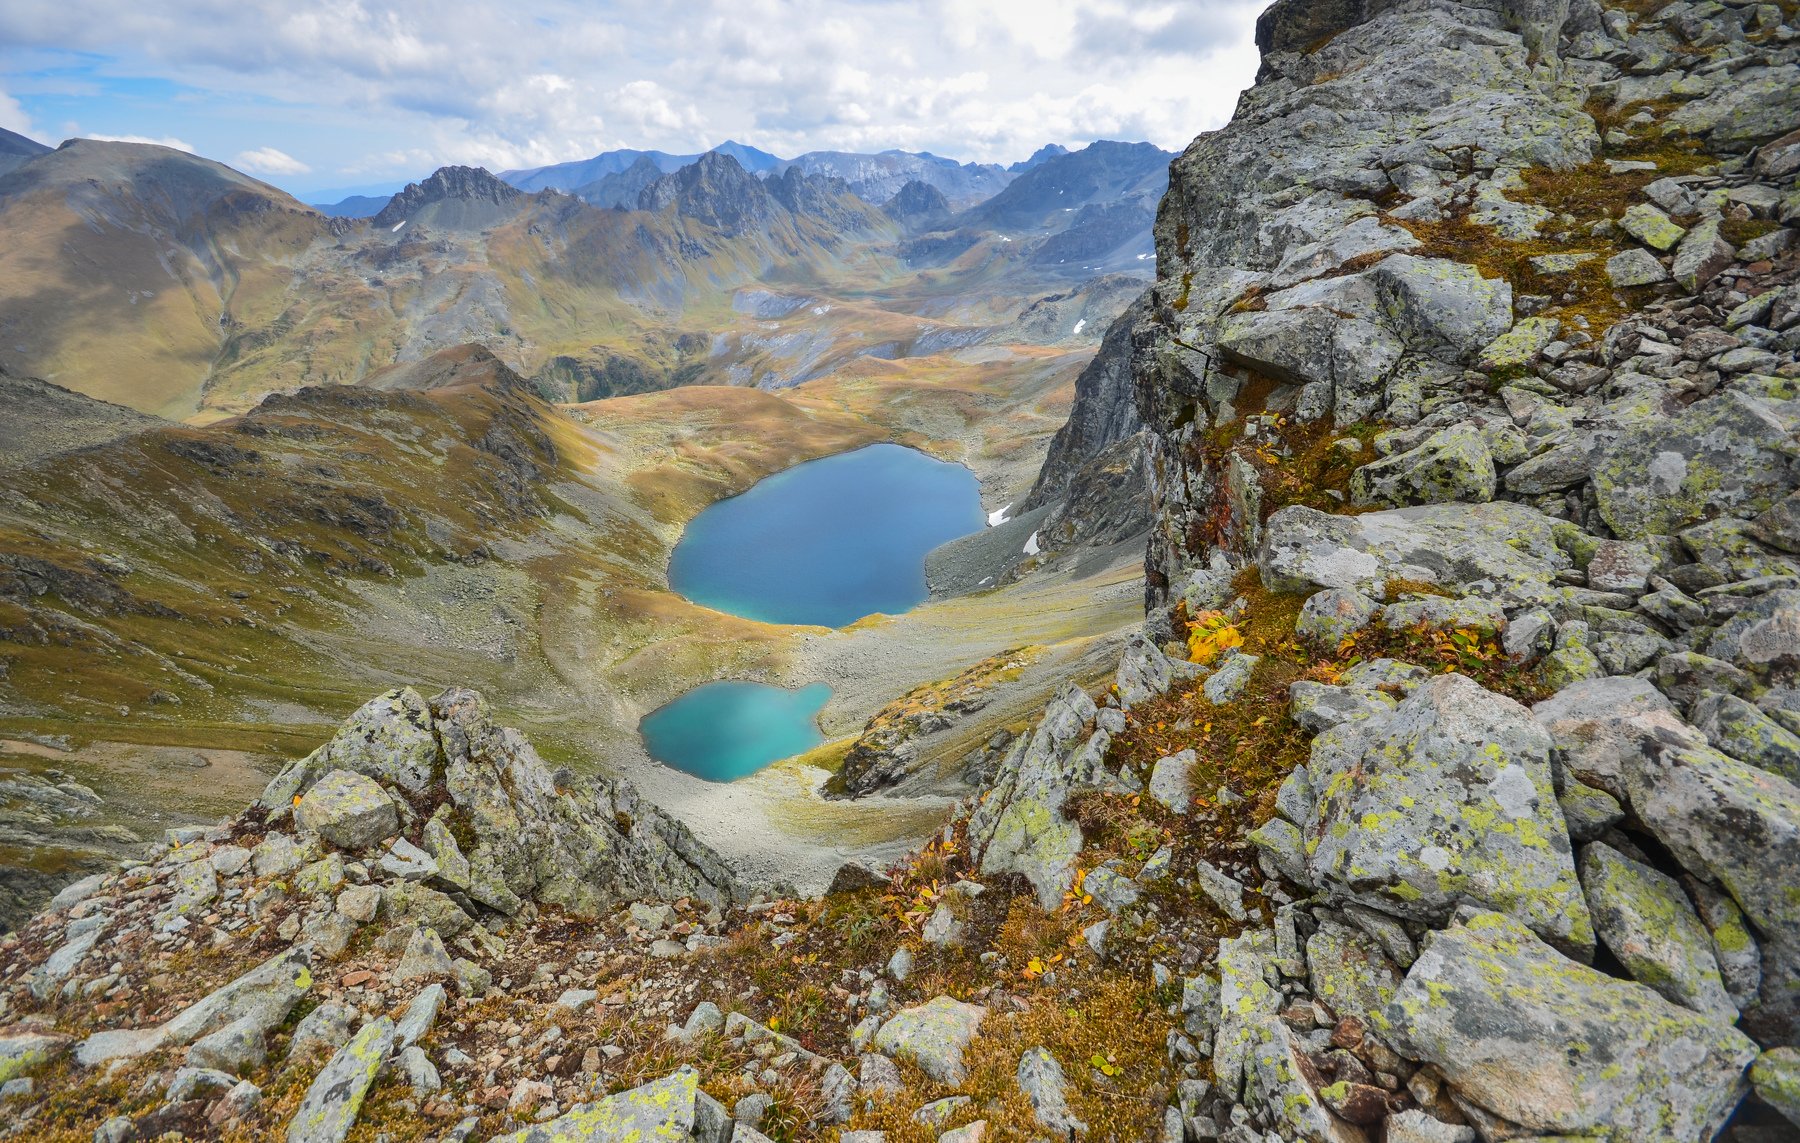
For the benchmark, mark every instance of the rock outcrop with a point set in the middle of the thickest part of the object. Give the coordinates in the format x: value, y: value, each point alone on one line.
x: 505, y: 830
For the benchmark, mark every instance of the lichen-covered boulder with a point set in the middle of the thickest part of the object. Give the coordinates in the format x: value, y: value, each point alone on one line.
x: 1349, y: 972
x: 1244, y: 1001
x: 1635, y: 267
x: 584, y: 844
x: 348, y: 810
x: 1651, y: 226
x: 1452, y: 465
x: 1738, y: 827
x: 1331, y: 615
x: 1437, y: 305
x: 933, y: 1037
x: 662, y: 1111
x: 1498, y: 550
x: 21, y: 1050
x: 1728, y: 454
x: 1446, y: 799
x: 1558, y: 1048
x: 390, y: 738
x: 1279, y: 1081
x: 330, y: 1106
x: 1645, y: 920
x: 1776, y: 1075
x: 1741, y: 730
x: 1020, y: 827
x: 1701, y: 255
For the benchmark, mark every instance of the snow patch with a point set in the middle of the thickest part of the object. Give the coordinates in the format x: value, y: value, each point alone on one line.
x: 1031, y: 545
x: 396, y: 227
x: 998, y: 515
x: 1078, y: 327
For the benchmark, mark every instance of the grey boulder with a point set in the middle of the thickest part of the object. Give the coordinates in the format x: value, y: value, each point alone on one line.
x: 1444, y: 800
x: 1528, y: 1035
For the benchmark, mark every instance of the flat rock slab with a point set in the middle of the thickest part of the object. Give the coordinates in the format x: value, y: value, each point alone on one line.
x: 1560, y: 1048
x: 329, y: 1109
x: 664, y: 1110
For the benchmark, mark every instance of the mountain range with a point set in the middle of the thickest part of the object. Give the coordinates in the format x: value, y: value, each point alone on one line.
x: 194, y: 288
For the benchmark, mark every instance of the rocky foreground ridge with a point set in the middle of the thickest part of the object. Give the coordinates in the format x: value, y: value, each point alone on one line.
x: 1449, y: 795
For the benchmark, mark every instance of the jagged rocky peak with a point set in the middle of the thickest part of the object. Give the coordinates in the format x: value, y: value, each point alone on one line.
x: 918, y: 206
x: 1047, y: 151
x: 451, y: 194
x: 714, y: 190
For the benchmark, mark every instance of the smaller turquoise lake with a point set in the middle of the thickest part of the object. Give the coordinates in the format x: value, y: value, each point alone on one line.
x: 829, y: 541
x: 725, y: 731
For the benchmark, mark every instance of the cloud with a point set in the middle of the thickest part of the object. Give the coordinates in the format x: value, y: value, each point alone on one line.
x: 171, y: 142
x: 269, y: 161
x: 13, y: 117
x: 474, y: 81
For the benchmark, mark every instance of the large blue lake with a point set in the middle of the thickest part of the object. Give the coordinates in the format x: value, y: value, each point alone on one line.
x: 724, y: 731
x: 829, y: 541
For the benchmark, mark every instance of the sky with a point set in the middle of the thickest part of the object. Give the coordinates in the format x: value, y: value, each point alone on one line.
x: 349, y: 94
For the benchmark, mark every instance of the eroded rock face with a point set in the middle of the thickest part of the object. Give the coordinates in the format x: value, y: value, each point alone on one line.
x: 1020, y: 828
x: 1446, y: 799
x: 1558, y: 1048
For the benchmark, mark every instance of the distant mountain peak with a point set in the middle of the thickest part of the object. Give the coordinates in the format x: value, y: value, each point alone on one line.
x: 714, y: 189
x: 475, y: 187
x: 1038, y: 157
x: 918, y: 206
x: 13, y: 143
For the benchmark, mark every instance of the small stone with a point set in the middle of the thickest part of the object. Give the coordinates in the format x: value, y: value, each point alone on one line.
x: 421, y: 1075
x: 1651, y: 227
x: 322, y: 1031
x: 1221, y: 890
x: 1169, y: 782
x: 1635, y: 268
x: 577, y: 999
x: 1229, y: 681
x: 360, y: 903
x: 425, y: 956
x: 942, y: 929
x: 420, y: 1016
x: 1041, y: 1078
x: 900, y: 965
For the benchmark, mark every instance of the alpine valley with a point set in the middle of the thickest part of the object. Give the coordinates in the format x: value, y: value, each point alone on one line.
x: 1294, y: 640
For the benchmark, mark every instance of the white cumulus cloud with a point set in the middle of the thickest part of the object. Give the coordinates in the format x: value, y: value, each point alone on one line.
x: 269, y: 161
x: 13, y: 117
x: 516, y: 85
x: 167, y: 141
